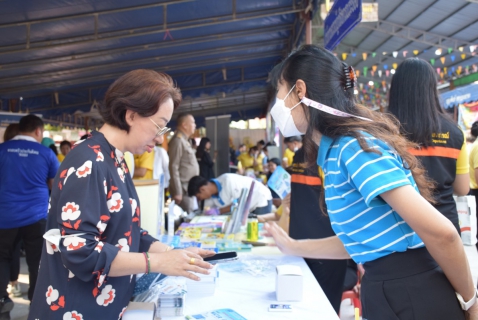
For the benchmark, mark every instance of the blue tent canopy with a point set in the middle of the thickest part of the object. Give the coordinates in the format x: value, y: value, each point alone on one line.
x: 61, y: 56
x: 460, y: 95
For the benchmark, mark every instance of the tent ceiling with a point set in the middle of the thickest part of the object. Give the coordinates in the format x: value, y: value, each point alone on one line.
x: 61, y: 56
x: 408, y: 25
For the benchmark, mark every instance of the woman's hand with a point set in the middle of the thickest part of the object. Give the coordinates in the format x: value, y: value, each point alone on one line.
x: 203, y: 253
x: 283, y: 241
x: 472, y: 313
x: 180, y: 263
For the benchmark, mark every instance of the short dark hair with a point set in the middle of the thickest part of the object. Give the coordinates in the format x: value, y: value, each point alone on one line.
x: 474, y: 129
x: 195, y: 184
x: 182, y: 117
x: 65, y: 143
x: 30, y: 123
x: 141, y: 91
x: 261, y: 142
x: 275, y: 160
x: 294, y: 138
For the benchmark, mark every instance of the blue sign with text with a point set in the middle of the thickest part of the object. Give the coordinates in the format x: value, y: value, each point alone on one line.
x: 341, y: 19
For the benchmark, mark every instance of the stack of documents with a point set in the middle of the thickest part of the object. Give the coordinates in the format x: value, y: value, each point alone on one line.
x: 169, y: 295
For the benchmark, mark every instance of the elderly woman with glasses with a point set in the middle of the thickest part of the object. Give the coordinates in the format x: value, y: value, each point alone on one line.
x: 94, y: 242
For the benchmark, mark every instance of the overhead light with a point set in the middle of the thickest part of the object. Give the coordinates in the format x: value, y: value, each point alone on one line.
x: 21, y: 98
x: 370, y: 83
x: 392, y: 71
x: 438, y: 52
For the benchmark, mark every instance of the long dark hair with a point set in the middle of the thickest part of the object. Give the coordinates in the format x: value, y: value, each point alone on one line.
x: 325, y: 79
x: 414, y: 100
x: 202, y: 147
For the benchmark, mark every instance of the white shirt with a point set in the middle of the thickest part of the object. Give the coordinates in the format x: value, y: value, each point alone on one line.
x: 230, y: 185
x: 161, y: 165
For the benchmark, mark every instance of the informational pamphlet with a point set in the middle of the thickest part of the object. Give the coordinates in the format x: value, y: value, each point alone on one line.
x: 279, y: 181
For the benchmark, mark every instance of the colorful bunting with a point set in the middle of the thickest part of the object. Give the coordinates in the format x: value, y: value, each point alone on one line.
x: 405, y: 53
x: 344, y: 56
x: 450, y: 50
x: 415, y: 52
x: 365, y: 71
x: 374, y: 68
x: 452, y: 58
x: 395, y: 53
x: 442, y: 59
x: 463, y: 56
x: 364, y: 56
x: 395, y: 65
x: 432, y: 61
x: 374, y: 54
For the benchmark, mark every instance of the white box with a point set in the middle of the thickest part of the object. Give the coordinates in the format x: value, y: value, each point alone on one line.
x: 289, y: 283
x: 140, y: 310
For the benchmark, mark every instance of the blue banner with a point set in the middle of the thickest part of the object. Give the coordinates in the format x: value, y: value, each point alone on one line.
x: 341, y: 19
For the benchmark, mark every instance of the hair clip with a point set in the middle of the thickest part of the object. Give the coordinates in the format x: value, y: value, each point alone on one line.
x: 350, y: 78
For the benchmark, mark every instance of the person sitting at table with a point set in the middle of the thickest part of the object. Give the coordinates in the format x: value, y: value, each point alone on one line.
x: 226, y: 188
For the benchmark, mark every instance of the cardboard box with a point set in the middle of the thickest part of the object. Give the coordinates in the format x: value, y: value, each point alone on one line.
x: 289, y: 283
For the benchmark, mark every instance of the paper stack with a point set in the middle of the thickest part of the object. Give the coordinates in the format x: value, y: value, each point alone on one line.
x: 169, y: 295
x: 205, y: 287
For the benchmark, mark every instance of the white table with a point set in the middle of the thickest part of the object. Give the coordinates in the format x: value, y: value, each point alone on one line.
x: 251, y: 296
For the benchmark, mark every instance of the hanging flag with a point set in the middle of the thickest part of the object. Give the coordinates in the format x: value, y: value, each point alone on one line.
x: 472, y: 48
x: 442, y: 59
x: 384, y: 53
x: 354, y: 54
x: 380, y: 73
x: 467, y: 69
x: 361, y: 86
x: 385, y: 66
x: 374, y: 68
x: 372, y: 73
x: 438, y: 70
x: 415, y: 52
x: 344, y: 56
x: 387, y: 72
x: 452, y: 58
x: 395, y: 65
x: 463, y: 56
x: 384, y: 83
x: 459, y: 69
x: 357, y: 73
x: 444, y: 69
x: 460, y: 48
x: 432, y: 61
x: 395, y: 54
x: 405, y: 53
x: 374, y: 54
x: 441, y: 75
x: 452, y: 69
x: 450, y: 50
x: 364, y: 56
x: 365, y: 71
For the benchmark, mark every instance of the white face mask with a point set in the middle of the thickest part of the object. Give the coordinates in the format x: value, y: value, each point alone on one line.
x: 283, y: 117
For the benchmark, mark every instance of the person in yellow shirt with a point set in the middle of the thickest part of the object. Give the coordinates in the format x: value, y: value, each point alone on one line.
x: 65, y: 148
x: 251, y: 159
x: 293, y: 144
x: 474, y: 164
x: 143, y: 166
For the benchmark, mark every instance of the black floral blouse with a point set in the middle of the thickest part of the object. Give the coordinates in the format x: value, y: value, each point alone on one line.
x: 94, y: 213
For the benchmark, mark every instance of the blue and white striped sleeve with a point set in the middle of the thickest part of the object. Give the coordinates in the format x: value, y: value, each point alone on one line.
x: 372, y: 173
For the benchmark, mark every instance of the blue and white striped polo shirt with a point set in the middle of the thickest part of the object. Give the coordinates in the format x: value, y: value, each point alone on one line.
x: 354, y: 179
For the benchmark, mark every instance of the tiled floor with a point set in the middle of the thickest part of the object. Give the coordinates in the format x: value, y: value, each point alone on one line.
x: 20, y: 311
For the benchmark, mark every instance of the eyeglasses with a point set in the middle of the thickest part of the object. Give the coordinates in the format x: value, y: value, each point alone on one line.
x: 161, y: 131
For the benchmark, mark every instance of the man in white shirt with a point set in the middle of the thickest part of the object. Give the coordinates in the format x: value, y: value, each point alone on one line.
x: 227, y: 187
